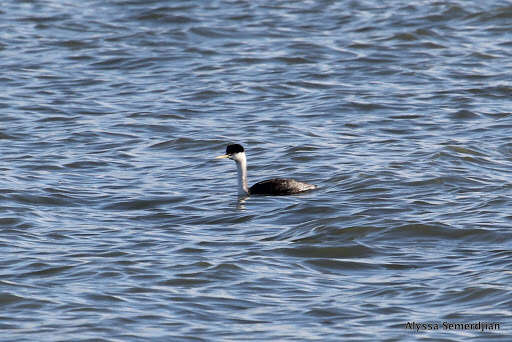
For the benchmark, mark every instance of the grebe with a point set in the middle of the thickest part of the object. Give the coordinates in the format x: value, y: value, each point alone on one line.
x: 275, y: 186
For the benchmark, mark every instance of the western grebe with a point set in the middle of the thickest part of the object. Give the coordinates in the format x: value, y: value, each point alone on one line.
x: 275, y: 186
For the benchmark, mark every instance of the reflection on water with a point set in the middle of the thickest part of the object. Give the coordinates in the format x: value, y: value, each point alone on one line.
x: 240, y: 205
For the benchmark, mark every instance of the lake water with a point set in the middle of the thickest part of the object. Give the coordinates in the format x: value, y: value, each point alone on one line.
x: 118, y: 225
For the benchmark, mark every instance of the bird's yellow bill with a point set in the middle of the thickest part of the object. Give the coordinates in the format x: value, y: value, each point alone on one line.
x: 222, y: 157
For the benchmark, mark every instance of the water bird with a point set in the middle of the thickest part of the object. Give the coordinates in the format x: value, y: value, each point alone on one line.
x: 274, y: 186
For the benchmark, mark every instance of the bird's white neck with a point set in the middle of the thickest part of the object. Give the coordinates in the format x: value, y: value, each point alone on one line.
x: 241, y: 165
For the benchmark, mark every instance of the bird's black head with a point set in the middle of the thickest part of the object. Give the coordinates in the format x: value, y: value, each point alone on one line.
x: 234, y: 148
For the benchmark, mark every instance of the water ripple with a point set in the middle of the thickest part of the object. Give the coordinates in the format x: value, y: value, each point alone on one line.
x: 118, y: 225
